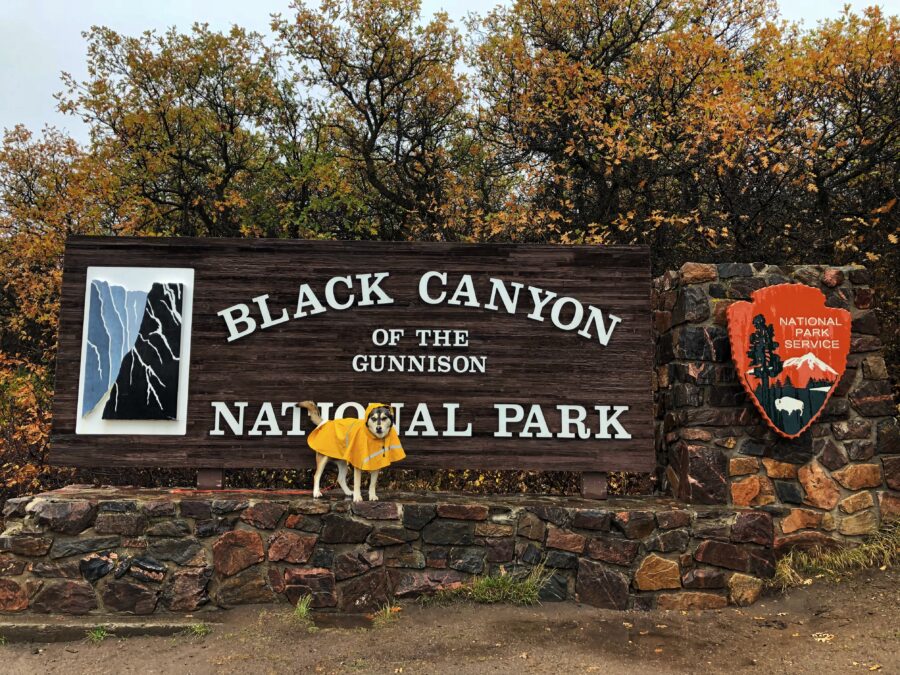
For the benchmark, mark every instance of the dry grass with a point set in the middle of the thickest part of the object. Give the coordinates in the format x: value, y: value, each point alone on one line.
x: 799, y: 568
x: 385, y: 616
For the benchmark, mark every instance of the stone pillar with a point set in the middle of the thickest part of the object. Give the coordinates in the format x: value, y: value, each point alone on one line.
x: 838, y: 480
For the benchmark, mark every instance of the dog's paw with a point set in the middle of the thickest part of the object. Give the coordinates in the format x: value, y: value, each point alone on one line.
x: 373, y: 498
x: 317, y: 494
x: 357, y: 498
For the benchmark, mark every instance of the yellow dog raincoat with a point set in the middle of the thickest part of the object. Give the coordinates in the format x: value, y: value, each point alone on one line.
x: 350, y: 439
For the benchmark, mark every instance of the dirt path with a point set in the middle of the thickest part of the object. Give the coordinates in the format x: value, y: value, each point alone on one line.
x: 774, y: 636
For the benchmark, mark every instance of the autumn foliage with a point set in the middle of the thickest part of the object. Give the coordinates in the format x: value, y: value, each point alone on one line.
x: 707, y: 129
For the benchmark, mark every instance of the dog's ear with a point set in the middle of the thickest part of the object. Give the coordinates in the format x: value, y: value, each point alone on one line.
x: 388, y: 409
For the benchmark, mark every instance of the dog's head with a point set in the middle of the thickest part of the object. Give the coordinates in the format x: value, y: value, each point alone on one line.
x: 380, y: 421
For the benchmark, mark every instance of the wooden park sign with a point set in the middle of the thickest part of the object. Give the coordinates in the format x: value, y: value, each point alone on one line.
x: 192, y: 352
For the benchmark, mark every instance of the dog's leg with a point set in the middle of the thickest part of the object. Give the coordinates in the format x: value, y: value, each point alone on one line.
x: 342, y: 477
x: 373, y: 478
x: 357, y: 479
x: 321, y: 461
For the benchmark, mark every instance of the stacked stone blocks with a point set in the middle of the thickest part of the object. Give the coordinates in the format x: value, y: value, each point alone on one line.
x: 836, y: 482
x: 235, y: 549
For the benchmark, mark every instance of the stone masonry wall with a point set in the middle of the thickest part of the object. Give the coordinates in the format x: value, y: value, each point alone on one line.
x: 93, y: 551
x: 834, y: 483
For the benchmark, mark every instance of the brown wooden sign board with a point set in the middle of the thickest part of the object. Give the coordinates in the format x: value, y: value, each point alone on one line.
x: 497, y: 350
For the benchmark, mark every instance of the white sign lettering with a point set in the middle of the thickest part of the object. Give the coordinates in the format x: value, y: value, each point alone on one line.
x: 512, y: 420
x: 434, y: 288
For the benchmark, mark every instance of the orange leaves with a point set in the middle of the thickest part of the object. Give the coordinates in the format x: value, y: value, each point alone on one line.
x: 49, y: 189
x: 24, y: 427
x: 887, y: 207
x: 189, y: 126
x: 702, y: 126
x: 576, y: 120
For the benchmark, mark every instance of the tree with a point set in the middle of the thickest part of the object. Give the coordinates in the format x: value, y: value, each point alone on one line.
x: 395, y: 107
x: 203, y: 129
x: 699, y: 128
x: 764, y: 359
x: 599, y: 104
x: 850, y: 88
x: 50, y: 188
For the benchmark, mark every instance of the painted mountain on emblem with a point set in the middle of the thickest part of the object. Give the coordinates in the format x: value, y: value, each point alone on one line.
x: 146, y: 387
x: 806, y: 368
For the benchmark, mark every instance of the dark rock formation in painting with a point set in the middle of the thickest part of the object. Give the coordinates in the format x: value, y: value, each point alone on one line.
x: 146, y: 387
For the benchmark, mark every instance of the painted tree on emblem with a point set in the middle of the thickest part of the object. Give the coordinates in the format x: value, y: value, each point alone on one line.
x: 764, y: 360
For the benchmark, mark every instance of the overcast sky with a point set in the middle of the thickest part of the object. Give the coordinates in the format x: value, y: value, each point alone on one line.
x: 41, y: 38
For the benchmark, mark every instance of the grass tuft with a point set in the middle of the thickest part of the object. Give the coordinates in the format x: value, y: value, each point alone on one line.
x: 97, y: 634
x: 303, y: 613
x: 515, y: 589
x: 799, y: 568
x: 385, y: 616
x: 198, y: 630
x: 302, y: 609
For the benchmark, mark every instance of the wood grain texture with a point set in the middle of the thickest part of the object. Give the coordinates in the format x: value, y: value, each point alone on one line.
x: 528, y: 361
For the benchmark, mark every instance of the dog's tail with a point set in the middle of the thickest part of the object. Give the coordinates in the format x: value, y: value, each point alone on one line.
x: 313, y: 410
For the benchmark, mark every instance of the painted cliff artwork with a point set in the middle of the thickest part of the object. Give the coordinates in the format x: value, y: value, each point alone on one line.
x: 790, y: 351
x: 134, y: 345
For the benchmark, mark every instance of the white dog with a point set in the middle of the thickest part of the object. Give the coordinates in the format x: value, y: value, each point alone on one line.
x: 369, y: 444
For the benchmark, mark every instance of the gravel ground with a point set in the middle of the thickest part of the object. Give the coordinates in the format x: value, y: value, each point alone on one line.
x: 848, y: 627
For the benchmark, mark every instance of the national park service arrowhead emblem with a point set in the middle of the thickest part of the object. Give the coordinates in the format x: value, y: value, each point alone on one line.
x: 790, y: 351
